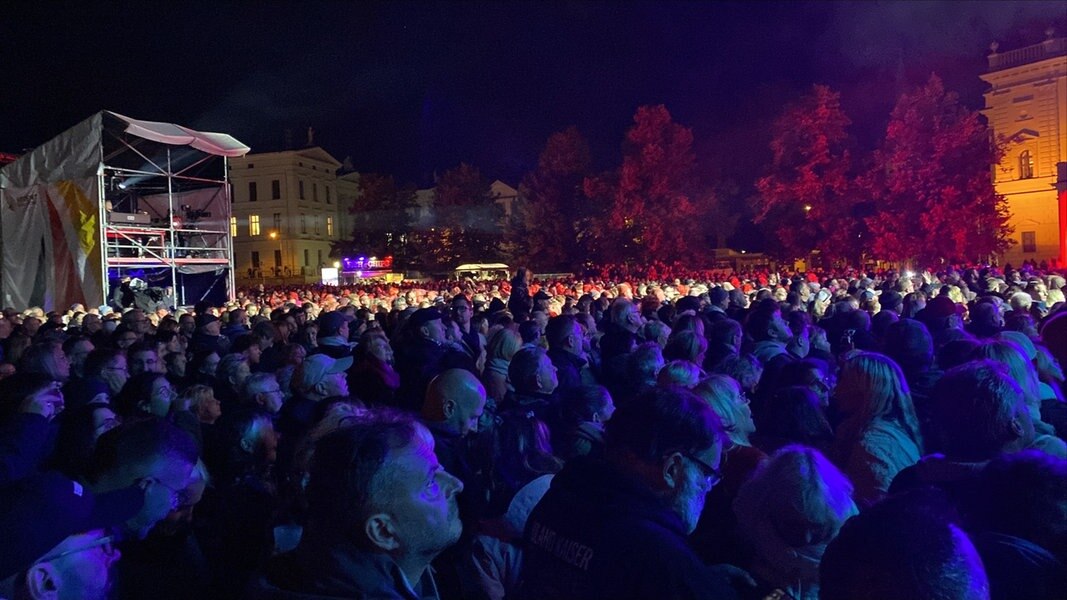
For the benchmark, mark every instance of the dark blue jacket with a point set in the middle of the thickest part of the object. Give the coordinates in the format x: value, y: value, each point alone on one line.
x: 601, y: 533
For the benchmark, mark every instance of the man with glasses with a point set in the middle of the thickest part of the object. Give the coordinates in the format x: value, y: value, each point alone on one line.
x: 262, y: 390
x: 78, y: 567
x: 616, y: 527
x: 461, y: 316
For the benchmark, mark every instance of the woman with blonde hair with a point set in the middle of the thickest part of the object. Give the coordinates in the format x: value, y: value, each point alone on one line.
x: 716, y: 537
x: 879, y: 434
x: 680, y: 372
x: 787, y: 513
x: 501, y: 348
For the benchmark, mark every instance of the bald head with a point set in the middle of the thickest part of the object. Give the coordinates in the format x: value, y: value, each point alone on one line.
x: 456, y: 400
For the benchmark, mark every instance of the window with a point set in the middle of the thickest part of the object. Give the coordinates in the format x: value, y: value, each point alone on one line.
x: 306, y: 257
x: 277, y: 258
x: 278, y: 222
x: 318, y: 228
x: 329, y: 225
x: 1026, y: 165
x: 252, y: 195
x: 303, y: 223
x: 233, y: 226
x: 275, y: 189
x: 253, y: 224
x: 315, y: 192
x: 1029, y: 241
x: 328, y: 201
x: 250, y: 165
x: 301, y: 190
x: 255, y: 260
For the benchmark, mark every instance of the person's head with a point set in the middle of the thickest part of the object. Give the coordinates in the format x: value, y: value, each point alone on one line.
x: 142, y: 358
x: 77, y: 349
x: 503, y: 344
x: 78, y: 567
x: 656, y: 331
x: 376, y: 483
x: 175, y: 364
x: 208, y: 324
x: 108, y: 365
x: 799, y: 496
x: 686, y: 344
x: 645, y: 363
x: 47, y: 358
x: 681, y: 373
x: 745, y: 369
x: 34, y: 393
x: 374, y: 344
x: 1019, y: 366
x: 725, y: 333
x: 796, y: 414
x: 247, y: 345
x: 591, y: 403
x: 261, y: 390
x: 725, y: 397
x: 333, y: 323
x: 456, y: 400
x: 910, y: 344
x: 1024, y: 494
x: 521, y: 450
x: 203, y: 403
x: 625, y: 314
x: 978, y: 411
x: 672, y: 441
x: 136, y: 321
x: 233, y: 369
x: 146, y: 393
x: 531, y: 372
x: 246, y: 445
x: 461, y: 310
x: 426, y: 323
x: 564, y: 333
x: 901, y: 549
x: 321, y: 376
x: 871, y: 386
x: 150, y: 453
x: 765, y: 324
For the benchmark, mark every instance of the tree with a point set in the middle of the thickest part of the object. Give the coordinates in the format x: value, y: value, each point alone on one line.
x: 651, y: 211
x: 553, y: 213
x: 381, y: 217
x: 808, y: 199
x: 467, y: 223
x: 931, y: 184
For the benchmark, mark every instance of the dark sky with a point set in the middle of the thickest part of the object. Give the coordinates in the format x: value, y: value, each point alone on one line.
x: 410, y: 87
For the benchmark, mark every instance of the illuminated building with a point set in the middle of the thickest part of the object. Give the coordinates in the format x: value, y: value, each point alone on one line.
x: 1027, y: 107
x: 286, y: 212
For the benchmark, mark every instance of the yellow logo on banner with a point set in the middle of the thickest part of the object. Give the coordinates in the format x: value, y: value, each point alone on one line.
x: 81, y: 212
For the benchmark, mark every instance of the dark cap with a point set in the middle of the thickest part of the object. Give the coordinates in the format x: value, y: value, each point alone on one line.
x: 424, y: 316
x: 941, y: 307
x: 205, y: 320
x: 890, y: 299
x: 41, y: 512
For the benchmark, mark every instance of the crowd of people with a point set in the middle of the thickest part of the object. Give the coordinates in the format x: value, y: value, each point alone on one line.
x: 652, y: 433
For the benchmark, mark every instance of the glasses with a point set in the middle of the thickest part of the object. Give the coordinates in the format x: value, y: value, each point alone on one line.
x: 105, y: 541
x: 712, y: 475
x: 120, y: 369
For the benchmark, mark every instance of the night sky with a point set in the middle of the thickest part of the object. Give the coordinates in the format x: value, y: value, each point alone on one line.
x: 406, y: 88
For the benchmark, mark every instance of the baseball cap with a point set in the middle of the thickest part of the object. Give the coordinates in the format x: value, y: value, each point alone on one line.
x: 316, y: 367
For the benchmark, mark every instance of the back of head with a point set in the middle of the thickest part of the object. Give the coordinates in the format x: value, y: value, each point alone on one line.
x: 661, y: 421
x: 1023, y: 495
x: 685, y: 345
x: 645, y: 362
x: 345, y: 468
x: 679, y: 372
x: 974, y: 407
x: 910, y: 344
x: 134, y: 445
x: 794, y: 413
x: 804, y: 497
x: 758, y: 323
x: 558, y: 330
x: 522, y: 372
x: 904, y: 547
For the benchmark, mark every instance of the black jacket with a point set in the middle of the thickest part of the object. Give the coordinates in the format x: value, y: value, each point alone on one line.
x: 600, y: 533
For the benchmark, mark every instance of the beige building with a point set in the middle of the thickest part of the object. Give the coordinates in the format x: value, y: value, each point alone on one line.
x: 1027, y: 106
x: 286, y: 212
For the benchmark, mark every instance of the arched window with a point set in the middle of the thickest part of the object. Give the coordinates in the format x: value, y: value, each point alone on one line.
x: 1026, y: 165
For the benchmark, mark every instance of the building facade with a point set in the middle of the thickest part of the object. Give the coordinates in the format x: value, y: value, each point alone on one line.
x: 286, y: 212
x: 1026, y: 106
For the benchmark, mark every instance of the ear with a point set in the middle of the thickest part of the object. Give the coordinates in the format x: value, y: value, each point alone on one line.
x: 320, y: 388
x: 674, y: 471
x: 381, y: 532
x: 41, y: 582
x: 1017, y: 427
x: 449, y: 408
x: 596, y: 417
x: 246, y: 445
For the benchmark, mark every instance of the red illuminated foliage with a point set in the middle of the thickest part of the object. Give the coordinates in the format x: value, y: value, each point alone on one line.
x: 651, y: 212
x: 808, y: 199
x: 931, y: 185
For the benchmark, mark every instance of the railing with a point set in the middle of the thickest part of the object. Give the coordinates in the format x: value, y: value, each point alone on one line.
x: 1013, y: 58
